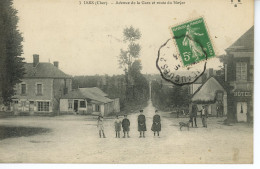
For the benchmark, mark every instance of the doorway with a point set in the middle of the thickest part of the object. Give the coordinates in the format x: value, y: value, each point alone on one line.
x: 76, y: 105
x: 241, y: 111
x: 31, y: 107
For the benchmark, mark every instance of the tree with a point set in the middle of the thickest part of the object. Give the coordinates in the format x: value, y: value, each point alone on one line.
x: 11, y: 64
x: 128, y: 57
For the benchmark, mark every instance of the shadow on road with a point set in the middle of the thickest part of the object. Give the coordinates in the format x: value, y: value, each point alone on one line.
x: 19, y: 131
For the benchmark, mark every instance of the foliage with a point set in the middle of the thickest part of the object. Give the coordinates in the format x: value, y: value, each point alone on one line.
x: 11, y: 65
x: 128, y: 61
x: 115, y: 87
x: 166, y: 98
x: 131, y: 34
x: 127, y: 57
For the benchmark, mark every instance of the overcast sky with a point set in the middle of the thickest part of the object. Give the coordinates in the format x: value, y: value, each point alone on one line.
x: 86, y: 39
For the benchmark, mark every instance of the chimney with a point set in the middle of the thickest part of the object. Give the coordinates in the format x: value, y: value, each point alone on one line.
x: 211, y: 72
x: 56, y: 64
x: 35, y: 60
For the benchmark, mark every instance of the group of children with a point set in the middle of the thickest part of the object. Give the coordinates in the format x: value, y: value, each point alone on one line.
x: 125, y: 124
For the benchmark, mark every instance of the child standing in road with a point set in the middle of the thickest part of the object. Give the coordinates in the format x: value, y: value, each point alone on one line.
x: 100, y: 126
x: 156, y: 127
x: 141, y: 124
x: 117, y: 126
x: 126, y: 125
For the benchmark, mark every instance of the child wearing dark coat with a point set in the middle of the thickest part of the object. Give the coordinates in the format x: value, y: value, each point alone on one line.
x: 156, y: 126
x: 126, y: 126
x: 141, y: 124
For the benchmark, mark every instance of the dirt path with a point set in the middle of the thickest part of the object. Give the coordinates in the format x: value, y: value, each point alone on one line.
x: 74, y: 139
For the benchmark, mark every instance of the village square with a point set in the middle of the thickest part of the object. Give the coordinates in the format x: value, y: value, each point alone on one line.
x: 48, y: 116
x: 102, y: 102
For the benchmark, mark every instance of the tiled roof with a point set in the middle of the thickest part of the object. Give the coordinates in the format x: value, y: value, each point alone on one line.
x: 245, y: 42
x: 43, y: 70
x: 96, y: 90
x: 88, y: 93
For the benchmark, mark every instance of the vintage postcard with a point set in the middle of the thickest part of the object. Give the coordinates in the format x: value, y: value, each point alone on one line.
x: 127, y: 81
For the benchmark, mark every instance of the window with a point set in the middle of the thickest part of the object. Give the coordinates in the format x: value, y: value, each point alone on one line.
x: 39, y: 89
x: 241, y: 71
x: 15, y: 92
x: 23, y: 88
x: 43, y: 106
x: 23, y: 103
x: 82, y: 104
x: 70, y: 104
x: 219, y: 96
x: 97, y: 108
x: 65, y: 90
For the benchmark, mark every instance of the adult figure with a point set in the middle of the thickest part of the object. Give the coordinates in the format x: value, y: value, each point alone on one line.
x: 156, y: 126
x: 126, y: 126
x: 193, y: 115
x: 204, y: 116
x: 177, y: 111
x: 218, y: 110
x: 141, y: 124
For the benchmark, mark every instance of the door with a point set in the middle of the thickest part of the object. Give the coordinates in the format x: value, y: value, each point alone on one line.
x: 23, y: 106
x: 76, y: 104
x: 89, y: 108
x: 31, y: 107
x: 241, y: 111
x: 15, y: 107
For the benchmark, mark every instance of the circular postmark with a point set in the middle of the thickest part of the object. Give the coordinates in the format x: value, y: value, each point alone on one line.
x: 171, y: 68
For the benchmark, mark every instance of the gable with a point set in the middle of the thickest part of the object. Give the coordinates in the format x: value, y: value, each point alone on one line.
x: 245, y: 42
x: 43, y: 70
x: 207, y: 92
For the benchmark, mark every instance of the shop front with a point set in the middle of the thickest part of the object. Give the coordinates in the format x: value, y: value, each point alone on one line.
x: 243, y: 104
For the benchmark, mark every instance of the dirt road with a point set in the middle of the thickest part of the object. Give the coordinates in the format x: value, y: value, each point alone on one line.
x: 74, y: 139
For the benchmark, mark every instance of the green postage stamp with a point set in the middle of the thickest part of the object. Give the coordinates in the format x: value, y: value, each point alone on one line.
x: 193, y: 41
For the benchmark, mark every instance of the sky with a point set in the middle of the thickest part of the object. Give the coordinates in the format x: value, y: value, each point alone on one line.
x: 86, y: 39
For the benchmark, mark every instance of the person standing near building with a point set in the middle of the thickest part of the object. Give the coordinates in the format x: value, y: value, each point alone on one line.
x: 117, y: 126
x: 204, y: 116
x: 193, y: 115
x: 100, y: 126
x: 141, y: 124
x: 126, y: 126
x: 156, y: 126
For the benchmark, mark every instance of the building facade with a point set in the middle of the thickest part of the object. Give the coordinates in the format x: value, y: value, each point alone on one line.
x: 40, y: 89
x: 88, y: 101
x: 239, y: 69
x: 213, y: 95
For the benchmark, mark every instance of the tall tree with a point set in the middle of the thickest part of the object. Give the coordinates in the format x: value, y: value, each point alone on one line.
x: 11, y: 64
x: 128, y: 57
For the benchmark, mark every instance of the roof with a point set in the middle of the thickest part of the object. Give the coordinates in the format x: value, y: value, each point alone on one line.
x: 88, y: 93
x: 207, y: 92
x: 245, y: 42
x: 96, y: 90
x: 43, y: 70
